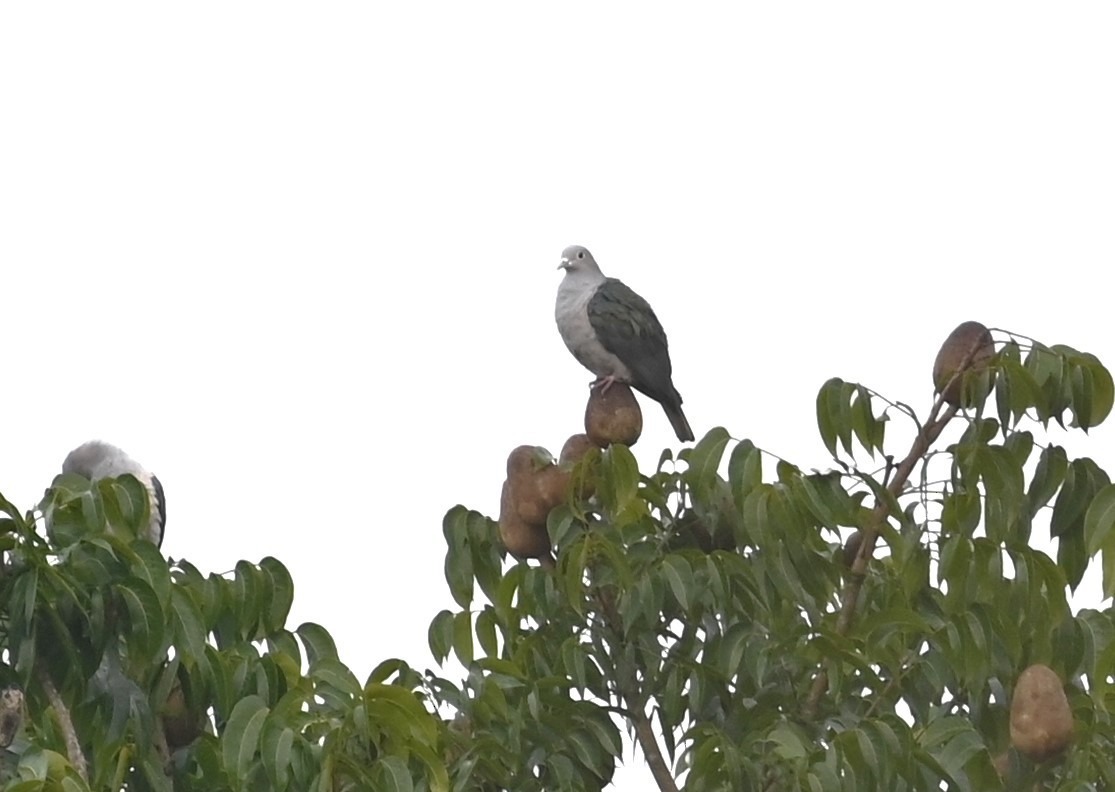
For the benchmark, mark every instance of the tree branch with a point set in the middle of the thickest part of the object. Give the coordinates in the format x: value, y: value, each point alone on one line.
x: 644, y: 733
x: 65, y: 723
x: 879, y: 514
x: 925, y: 438
x: 633, y: 698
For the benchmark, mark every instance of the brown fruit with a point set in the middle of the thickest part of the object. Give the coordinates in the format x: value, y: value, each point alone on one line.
x: 613, y: 416
x: 523, y: 465
x: 533, y: 487
x: 1040, y: 718
x: 552, y: 484
x: 521, y: 538
x: 584, y: 477
x: 180, y: 726
x: 574, y: 449
x: 971, y: 342
x: 851, y: 548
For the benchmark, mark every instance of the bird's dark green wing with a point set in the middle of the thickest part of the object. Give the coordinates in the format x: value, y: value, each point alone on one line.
x: 627, y: 327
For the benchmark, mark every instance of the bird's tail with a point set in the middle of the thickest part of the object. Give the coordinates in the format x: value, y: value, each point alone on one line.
x: 677, y: 420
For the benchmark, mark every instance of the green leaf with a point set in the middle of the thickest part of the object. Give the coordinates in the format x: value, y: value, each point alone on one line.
x: 185, y: 622
x: 149, y: 565
x: 318, y: 642
x: 1072, y: 557
x: 6, y: 507
x: 145, y: 615
x: 878, y: 628
x: 827, y: 500
x: 1099, y: 521
x: 281, y: 594
x: 788, y: 742
x: 960, y: 512
x: 745, y: 471
x: 881, y: 493
x: 1080, y: 384
x: 126, y: 504
x: 240, y: 738
x: 284, y: 642
x: 704, y: 458
x: 247, y: 599
x: 24, y: 594
x: 843, y: 416
x: 382, y: 672
x: 1048, y: 476
x: 834, y: 413
x: 1072, y: 502
x: 486, y: 631
x: 392, y: 775
x: 485, y: 549
x: 755, y: 510
x: 679, y: 576
x: 863, y: 419
x: 1109, y: 570
x: 417, y: 723
x: 618, y: 486
x: 458, y: 555
x: 462, y: 637
x: 332, y: 672
x: 1003, y: 484
x: 824, y: 421
x: 1103, y: 390
x: 213, y: 599
x: 276, y: 749
x: 1048, y: 370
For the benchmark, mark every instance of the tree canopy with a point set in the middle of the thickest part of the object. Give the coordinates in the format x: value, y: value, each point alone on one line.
x: 887, y: 620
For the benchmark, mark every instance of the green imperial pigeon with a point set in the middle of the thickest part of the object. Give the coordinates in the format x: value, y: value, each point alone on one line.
x: 99, y: 460
x: 614, y: 334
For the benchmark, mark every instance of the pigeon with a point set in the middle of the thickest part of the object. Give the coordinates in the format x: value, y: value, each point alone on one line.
x: 97, y: 460
x: 614, y: 334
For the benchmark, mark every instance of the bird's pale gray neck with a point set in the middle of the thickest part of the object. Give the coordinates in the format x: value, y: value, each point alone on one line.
x: 586, y: 277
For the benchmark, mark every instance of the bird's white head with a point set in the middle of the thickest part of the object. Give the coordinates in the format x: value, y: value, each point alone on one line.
x: 576, y: 258
x: 98, y: 459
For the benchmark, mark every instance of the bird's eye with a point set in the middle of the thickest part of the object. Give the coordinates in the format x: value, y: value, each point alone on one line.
x: 581, y: 254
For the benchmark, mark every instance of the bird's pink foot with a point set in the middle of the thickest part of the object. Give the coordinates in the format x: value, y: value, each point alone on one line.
x: 605, y: 382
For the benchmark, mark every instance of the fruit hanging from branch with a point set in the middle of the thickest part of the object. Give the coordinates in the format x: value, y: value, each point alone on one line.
x: 968, y: 350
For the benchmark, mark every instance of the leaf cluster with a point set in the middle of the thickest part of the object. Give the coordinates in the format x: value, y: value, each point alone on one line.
x: 144, y: 673
x: 707, y: 607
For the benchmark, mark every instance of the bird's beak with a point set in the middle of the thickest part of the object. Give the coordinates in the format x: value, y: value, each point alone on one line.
x: 564, y: 264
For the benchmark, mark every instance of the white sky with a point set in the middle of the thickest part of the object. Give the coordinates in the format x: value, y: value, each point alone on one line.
x: 300, y: 259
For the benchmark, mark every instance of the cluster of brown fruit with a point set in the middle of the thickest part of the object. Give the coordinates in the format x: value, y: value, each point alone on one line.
x: 535, y: 484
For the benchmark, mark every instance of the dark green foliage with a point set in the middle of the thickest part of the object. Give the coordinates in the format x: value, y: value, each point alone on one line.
x: 177, y: 680
x: 709, y: 598
x: 705, y: 607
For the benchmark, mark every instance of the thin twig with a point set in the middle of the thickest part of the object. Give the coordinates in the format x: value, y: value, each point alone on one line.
x: 66, y: 724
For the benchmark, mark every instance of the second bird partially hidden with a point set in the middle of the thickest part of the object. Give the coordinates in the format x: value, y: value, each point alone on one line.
x: 614, y: 333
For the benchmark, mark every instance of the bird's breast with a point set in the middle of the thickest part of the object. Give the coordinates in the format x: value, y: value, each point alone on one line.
x: 578, y: 334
